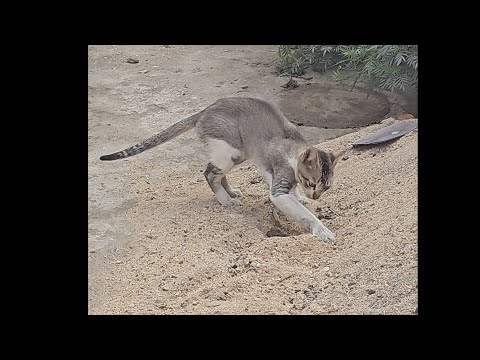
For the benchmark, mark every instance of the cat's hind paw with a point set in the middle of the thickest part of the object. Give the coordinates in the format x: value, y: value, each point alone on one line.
x: 233, y: 202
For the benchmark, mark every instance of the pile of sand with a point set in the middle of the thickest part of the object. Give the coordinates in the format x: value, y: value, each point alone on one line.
x: 189, y: 255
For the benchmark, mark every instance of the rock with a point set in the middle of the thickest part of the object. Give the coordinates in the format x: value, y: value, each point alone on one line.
x: 351, y: 283
x: 370, y: 291
x: 118, y: 262
x: 275, y: 232
x: 291, y: 84
x: 326, y: 268
x: 405, y: 117
x: 143, y: 71
x: 244, y: 87
x: 255, y: 180
x: 132, y: 61
x: 345, y: 158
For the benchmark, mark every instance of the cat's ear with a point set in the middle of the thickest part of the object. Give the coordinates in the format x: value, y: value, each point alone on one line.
x: 309, y: 156
x: 336, y: 155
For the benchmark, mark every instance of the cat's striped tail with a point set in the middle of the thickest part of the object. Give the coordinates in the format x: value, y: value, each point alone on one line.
x: 166, y: 135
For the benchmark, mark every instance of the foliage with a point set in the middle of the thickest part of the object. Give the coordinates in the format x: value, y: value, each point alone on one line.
x: 390, y: 67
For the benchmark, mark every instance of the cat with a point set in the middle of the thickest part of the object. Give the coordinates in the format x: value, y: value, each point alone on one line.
x: 236, y: 129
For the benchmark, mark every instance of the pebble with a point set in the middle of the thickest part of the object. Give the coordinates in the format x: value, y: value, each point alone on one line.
x: 326, y: 268
x: 244, y: 87
x: 275, y: 232
x: 255, y: 180
x: 370, y: 291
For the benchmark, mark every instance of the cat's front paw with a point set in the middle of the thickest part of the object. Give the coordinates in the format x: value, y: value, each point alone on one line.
x: 304, y: 200
x: 323, y: 233
x: 237, y: 192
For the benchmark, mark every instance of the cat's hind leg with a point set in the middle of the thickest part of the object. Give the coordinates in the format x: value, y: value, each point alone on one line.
x: 232, y: 192
x: 223, y: 158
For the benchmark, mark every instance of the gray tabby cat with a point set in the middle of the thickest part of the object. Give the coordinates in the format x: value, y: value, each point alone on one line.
x: 237, y: 129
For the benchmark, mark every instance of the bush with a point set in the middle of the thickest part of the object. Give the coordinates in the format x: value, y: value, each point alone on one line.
x: 390, y: 67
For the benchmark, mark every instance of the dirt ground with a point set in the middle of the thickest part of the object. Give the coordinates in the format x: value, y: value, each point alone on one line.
x: 159, y: 243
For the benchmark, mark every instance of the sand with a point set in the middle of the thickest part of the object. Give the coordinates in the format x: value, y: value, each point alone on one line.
x: 160, y: 243
x: 189, y: 255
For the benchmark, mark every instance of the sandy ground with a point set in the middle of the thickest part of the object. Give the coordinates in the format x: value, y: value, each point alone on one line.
x: 159, y: 243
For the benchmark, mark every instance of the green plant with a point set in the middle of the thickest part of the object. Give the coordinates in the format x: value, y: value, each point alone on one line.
x: 288, y: 62
x: 391, y: 67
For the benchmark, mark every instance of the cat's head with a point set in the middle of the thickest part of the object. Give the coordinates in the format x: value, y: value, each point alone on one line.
x: 315, y: 170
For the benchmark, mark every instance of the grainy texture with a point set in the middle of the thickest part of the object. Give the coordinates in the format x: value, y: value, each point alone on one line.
x: 161, y: 244
x: 187, y: 252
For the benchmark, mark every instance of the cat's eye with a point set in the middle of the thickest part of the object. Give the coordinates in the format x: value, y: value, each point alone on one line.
x: 312, y: 184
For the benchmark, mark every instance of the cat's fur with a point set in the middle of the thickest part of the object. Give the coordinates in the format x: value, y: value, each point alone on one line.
x: 237, y: 129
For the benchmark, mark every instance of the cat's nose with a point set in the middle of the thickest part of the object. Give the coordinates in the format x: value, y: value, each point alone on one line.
x: 316, y: 196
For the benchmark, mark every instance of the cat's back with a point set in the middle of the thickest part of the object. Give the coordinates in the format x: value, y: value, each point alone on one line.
x: 251, y: 112
x: 246, y: 122
x: 241, y: 106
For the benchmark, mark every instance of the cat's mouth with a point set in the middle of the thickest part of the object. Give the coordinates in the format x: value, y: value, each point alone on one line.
x: 311, y: 194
